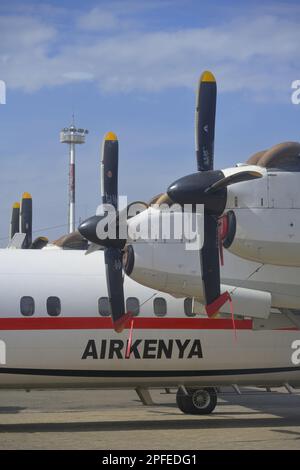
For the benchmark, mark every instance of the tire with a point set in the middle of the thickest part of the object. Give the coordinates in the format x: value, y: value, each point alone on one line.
x: 199, y: 401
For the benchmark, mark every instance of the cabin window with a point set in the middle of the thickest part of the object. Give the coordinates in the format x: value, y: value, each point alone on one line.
x: 104, y: 307
x: 160, y: 306
x: 53, y: 306
x: 188, y: 307
x: 27, y: 306
x: 133, y: 305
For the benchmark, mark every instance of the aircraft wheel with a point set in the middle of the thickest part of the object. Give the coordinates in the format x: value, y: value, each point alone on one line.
x: 199, y: 401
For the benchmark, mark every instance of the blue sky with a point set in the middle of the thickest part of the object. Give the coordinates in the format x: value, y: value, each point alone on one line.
x: 132, y: 67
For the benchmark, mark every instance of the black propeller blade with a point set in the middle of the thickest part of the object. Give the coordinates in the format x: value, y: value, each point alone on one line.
x: 210, y: 264
x: 15, y: 220
x: 113, y: 247
x: 26, y: 219
x: 114, y: 277
x: 205, y: 121
x: 209, y: 259
x: 109, y: 170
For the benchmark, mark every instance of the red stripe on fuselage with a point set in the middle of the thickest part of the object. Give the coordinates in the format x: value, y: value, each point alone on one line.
x: 93, y: 323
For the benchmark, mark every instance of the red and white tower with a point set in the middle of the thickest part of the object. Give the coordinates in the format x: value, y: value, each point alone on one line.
x: 72, y: 136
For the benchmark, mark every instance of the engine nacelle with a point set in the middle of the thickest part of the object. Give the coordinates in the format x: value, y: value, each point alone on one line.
x: 165, y: 261
x: 166, y: 266
x: 267, y: 236
x: 171, y: 269
x: 267, y: 214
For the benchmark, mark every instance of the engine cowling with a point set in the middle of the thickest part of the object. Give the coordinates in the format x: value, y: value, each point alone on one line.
x: 267, y: 219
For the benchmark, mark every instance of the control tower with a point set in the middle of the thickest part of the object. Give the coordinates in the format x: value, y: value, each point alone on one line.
x: 72, y: 136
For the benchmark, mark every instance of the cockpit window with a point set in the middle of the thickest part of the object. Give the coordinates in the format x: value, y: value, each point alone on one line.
x: 53, y: 306
x: 27, y: 306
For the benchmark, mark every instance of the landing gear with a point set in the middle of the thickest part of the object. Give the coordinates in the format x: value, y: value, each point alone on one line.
x: 199, y: 401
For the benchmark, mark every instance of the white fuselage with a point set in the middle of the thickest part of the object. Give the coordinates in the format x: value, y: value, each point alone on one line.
x: 79, y: 348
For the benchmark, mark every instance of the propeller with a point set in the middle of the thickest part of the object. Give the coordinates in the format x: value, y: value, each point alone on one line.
x: 204, y: 138
x: 208, y: 187
x: 26, y: 219
x: 113, y: 247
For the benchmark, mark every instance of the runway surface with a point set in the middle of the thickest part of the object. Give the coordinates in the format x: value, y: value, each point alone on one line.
x: 111, y: 419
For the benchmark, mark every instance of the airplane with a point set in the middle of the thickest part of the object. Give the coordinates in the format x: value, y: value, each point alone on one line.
x: 71, y: 318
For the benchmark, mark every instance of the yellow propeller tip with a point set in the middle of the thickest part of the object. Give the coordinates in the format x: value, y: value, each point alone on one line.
x: 26, y: 196
x: 207, y: 76
x: 16, y: 205
x: 111, y: 136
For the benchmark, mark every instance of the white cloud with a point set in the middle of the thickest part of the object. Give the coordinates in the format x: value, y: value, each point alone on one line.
x: 19, y: 33
x: 256, y: 54
x: 98, y: 19
x: 78, y: 76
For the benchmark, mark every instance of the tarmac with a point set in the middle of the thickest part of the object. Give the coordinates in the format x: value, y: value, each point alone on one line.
x: 116, y: 419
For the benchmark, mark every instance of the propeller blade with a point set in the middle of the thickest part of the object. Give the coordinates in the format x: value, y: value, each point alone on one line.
x: 113, y: 262
x: 109, y: 170
x: 210, y: 267
x: 15, y: 220
x: 209, y: 258
x: 26, y: 219
x: 205, y: 121
x: 232, y: 179
x: 114, y: 277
